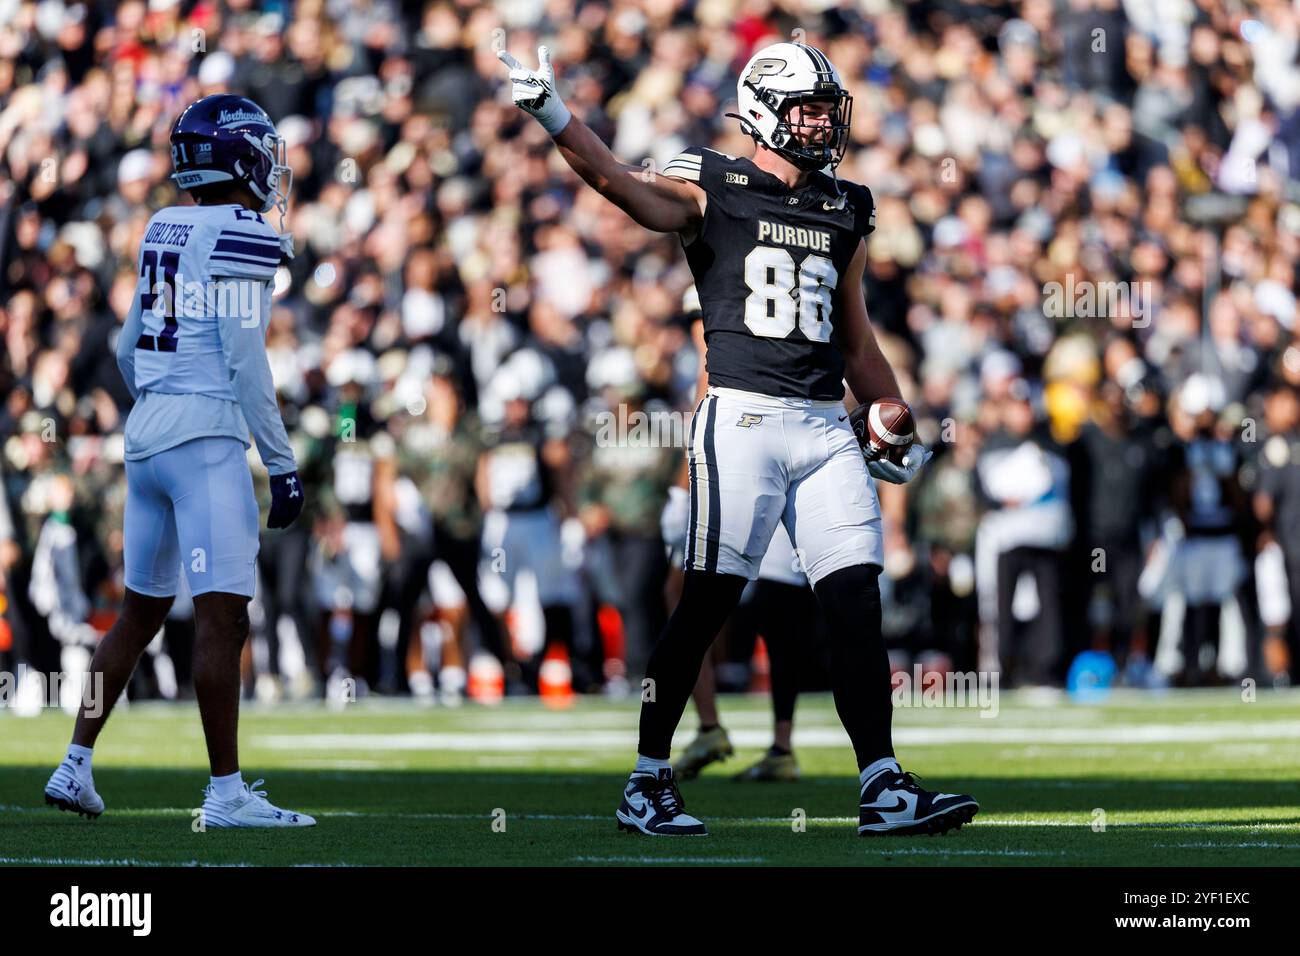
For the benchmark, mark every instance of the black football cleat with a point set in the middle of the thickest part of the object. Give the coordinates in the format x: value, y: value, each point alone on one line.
x: 892, y: 804
x: 653, y: 805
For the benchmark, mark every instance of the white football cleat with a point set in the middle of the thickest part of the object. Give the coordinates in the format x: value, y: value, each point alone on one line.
x: 67, y: 791
x: 892, y: 803
x: 249, y: 809
x: 653, y: 805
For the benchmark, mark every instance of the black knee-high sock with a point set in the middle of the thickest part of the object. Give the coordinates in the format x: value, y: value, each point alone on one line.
x: 784, y: 611
x: 707, y: 600
x: 851, y: 599
x: 558, y: 620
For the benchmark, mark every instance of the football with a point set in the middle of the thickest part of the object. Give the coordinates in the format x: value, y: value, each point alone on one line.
x: 884, y: 428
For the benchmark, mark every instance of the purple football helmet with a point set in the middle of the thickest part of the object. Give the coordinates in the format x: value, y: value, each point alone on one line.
x: 224, y: 137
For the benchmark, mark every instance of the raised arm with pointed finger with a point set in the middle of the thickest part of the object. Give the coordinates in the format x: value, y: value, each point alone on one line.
x: 654, y: 201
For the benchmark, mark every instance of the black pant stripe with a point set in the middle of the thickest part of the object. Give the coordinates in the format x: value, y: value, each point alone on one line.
x: 715, y: 511
x: 694, y: 515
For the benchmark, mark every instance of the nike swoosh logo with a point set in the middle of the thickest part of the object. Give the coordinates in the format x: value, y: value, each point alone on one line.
x: 641, y: 813
x: 902, y: 810
x: 902, y: 802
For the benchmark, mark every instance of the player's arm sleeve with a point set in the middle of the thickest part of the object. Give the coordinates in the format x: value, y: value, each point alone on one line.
x: 243, y: 345
x: 132, y: 329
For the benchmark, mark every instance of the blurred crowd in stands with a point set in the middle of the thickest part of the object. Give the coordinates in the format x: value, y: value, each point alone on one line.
x: 1083, y: 271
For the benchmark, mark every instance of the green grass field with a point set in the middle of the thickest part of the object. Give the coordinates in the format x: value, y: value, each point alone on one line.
x: 1186, y: 778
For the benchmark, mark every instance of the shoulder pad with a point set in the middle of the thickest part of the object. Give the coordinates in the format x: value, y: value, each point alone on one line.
x: 245, y: 245
x: 687, y: 165
x: 864, y: 207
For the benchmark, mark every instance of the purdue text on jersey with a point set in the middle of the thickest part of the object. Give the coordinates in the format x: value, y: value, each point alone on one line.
x: 766, y: 262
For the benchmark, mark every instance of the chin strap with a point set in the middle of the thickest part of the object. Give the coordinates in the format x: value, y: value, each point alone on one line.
x: 280, y: 203
x: 746, y: 126
x: 840, y: 196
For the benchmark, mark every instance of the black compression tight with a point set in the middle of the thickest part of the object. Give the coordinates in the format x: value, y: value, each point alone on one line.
x: 851, y: 600
x: 786, y: 615
x: 707, y: 601
x: 859, y: 663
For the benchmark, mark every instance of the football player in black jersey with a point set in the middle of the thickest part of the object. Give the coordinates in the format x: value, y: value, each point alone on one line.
x: 776, y: 246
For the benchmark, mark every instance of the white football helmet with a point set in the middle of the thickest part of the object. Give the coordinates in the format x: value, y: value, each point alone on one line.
x: 776, y: 78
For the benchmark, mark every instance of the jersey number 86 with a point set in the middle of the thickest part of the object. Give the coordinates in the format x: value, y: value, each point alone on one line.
x: 771, y: 309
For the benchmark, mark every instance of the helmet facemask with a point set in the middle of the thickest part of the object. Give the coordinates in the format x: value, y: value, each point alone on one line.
x: 279, y: 178
x: 812, y: 146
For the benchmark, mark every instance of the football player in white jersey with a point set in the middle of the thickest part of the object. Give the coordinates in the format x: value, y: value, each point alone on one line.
x: 193, y: 353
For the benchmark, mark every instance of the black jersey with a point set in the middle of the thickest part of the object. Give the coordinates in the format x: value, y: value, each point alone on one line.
x: 766, y: 263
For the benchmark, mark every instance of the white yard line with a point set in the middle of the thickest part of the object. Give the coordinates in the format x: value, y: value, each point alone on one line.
x: 1081, y: 822
x: 890, y: 851
x: 96, y: 861
x: 115, y: 811
x: 1228, y: 846
x: 533, y: 741
x: 1029, y: 704
x: 668, y: 859
x: 1138, y: 824
x: 63, y: 861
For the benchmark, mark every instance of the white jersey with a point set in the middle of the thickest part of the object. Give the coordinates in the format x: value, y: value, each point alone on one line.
x: 193, y: 348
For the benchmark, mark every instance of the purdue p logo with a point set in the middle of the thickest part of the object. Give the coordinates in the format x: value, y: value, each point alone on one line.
x: 748, y: 419
x: 768, y: 67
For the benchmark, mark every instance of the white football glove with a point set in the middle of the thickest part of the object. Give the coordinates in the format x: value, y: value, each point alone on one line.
x: 883, y: 469
x: 534, y: 90
x: 675, y: 518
